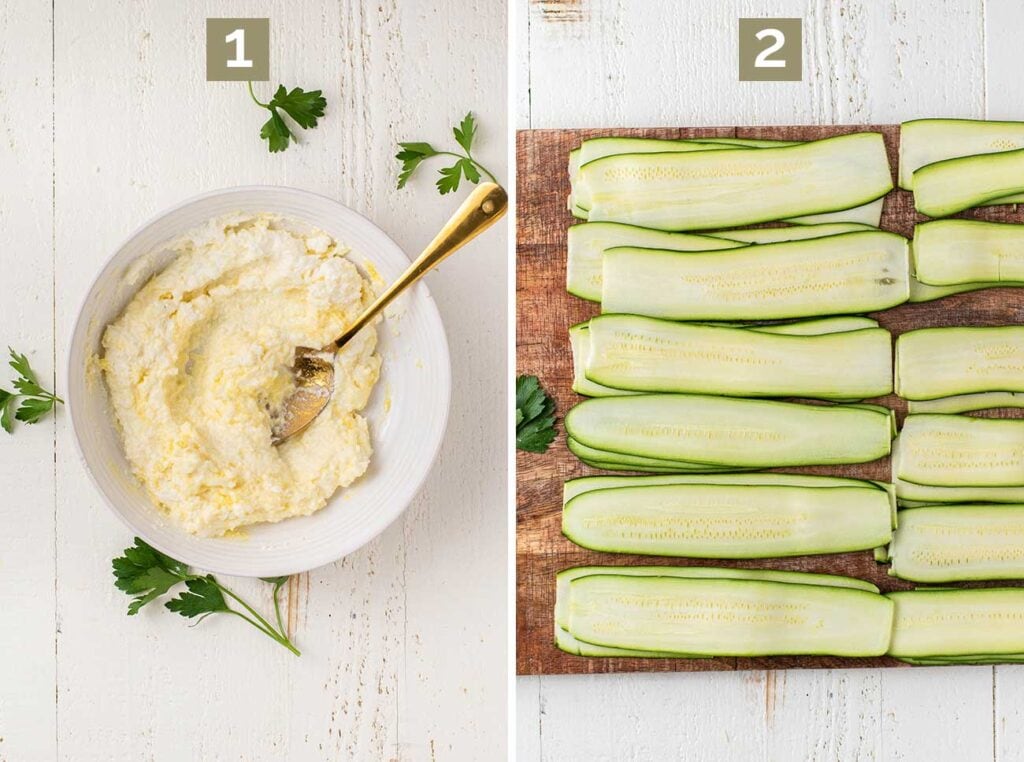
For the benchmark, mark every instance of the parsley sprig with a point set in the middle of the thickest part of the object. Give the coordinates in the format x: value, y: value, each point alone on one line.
x: 304, y: 108
x: 35, y: 400
x: 145, y: 573
x: 535, y: 415
x: 413, y: 154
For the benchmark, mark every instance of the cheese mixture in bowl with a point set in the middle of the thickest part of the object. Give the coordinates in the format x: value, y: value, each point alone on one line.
x: 202, y: 355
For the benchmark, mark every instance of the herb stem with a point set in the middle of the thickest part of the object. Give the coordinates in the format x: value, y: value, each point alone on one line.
x: 255, y: 99
x: 277, y: 608
x: 268, y: 628
x: 469, y: 156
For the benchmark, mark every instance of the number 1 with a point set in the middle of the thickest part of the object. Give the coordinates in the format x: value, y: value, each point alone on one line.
x: 763, y: 61
x: 240, y: 61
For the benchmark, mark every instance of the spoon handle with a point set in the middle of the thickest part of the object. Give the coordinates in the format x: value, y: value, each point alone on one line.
x: 481, y: 209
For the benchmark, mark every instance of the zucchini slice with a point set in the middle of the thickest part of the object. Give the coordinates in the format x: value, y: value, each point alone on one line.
x: 608, y: 459
x: 952, y: 185
x: 849, y: 273
x: 926, y: 141
x: 958, y: 543
x: 730, y: 432
x: 777, y: 235
x: 727, y: 617
x: 959, y: 451
x: 818, y: 327
x: 967, y: 403
x: 718, y: 189
x: 868, y: 215
x: 583, y: 484
x: 922, y: 292
x: 586, y: 242
x: 579, y: 344
x: 953, y: 252
x: 949, y: 623
x: 943, y: 362
x: 922, y: 494
x: 729, y: 521
x: 650, y: 355
x: 565, y: 641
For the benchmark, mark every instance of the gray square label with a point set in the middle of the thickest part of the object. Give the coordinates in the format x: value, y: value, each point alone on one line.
x: 237, y: 50
x: 771, y: 50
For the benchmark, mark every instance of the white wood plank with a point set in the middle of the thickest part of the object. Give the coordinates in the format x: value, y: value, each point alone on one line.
x: 937, y: 713
x: 823, y: 715
x: 613, y: 718
x: 381, y: 676
x: 28, y: 721
x: 528, y: 719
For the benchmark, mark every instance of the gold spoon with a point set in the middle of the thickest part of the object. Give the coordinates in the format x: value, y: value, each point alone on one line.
x: 314, y: 368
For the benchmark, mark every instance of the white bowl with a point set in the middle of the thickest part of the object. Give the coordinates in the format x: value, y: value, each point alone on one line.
x: 407, y: 412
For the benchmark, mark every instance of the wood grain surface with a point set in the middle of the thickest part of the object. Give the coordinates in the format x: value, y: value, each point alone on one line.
x: 544, y: 313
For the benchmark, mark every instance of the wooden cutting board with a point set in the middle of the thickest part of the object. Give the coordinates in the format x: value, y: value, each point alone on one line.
x: 544, y: 313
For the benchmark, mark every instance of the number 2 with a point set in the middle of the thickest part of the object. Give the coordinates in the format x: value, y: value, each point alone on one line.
x: 240, y: 61
x: 763, y: 61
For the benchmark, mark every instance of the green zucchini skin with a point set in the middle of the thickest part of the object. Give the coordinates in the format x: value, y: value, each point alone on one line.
x: 730, y: 432
x: 754, y: 617
x: 932, y: 363
x: 955, y: 252
x: 960, y: 451
x: 729, y: 521
x: 843, y: 274
x: 867, y: 215
x: 926, y: 141
x: 718, y: 189
x: 651, y: 355
x: 789, y: 233
x: 945, y: 624
x: 959, y: 543
x: 967, y: 403
x: 586, y: 242
x: 953, y: 185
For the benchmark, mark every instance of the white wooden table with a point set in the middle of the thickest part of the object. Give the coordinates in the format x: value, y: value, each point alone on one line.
x: 638, y: 63
x: 105, y: 120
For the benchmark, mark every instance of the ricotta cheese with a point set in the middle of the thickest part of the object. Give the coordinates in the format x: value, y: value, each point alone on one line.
x: 202, y: 354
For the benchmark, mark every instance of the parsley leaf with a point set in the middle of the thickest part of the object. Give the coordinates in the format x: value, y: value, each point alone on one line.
x: 145, y: 573
x: 35, y: 400
x: 304, y: 108
x: 465, y: 166
x: 535, y: 415
x: 202, y: 599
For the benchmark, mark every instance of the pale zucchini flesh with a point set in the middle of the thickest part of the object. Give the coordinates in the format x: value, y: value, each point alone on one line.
x: 967, y: 403
x: 960, y: 451
x: 953, y: 185
x: 635, y: 462
x: 926, y: 141
x: 869, y: 215
x: 727, y: 617
x: 586, y: 242
x: 730, y: 432
x: 950, y: 623
x: 958, y: 543
x: 942, y: 362
x: 651, y: 355
x: 729, y: 521
x: 923, y: 494
x: 583, y: 484
x: 843, y: 274
x: 718, y: 189
x: 922, y: 292
x: 953, y: 252
x: 579, y: 345
x: 789, y: 233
